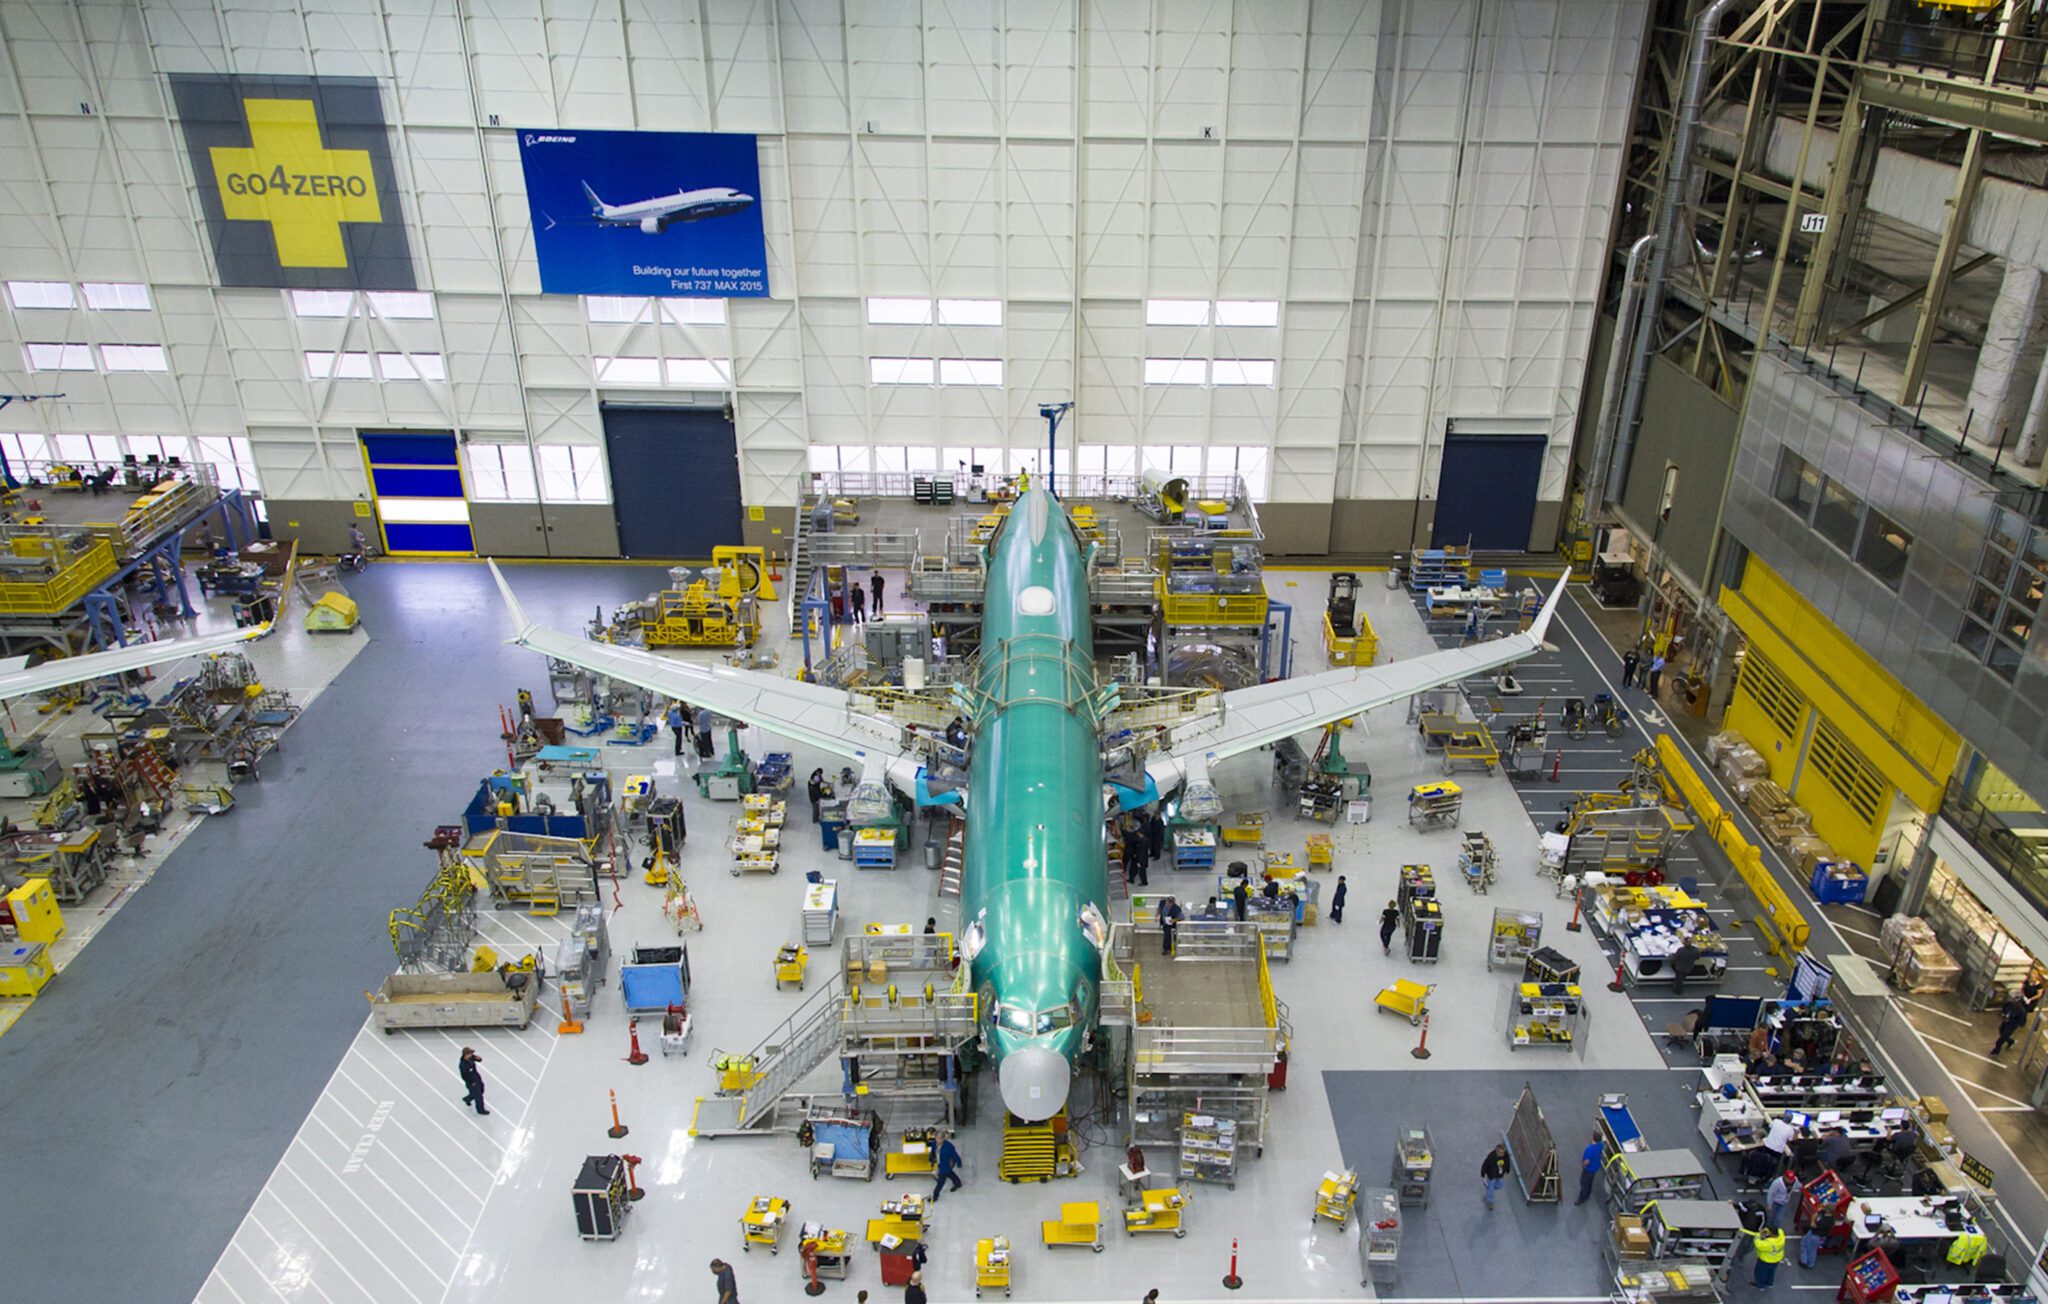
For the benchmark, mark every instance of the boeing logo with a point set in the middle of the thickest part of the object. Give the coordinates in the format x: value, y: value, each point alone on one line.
x: 656, y: 215
x: 532, y: 139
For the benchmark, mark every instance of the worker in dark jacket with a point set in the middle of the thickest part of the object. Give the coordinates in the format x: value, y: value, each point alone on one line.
x: 1155, y: 835
x: 472, y: 1078
x: 1239, y: 895
x: 1337, y: 901
x: 1493, y: 1173
x: 2011, y: 1018
x: 728, y: 1289
x: 1134, y: 858
x: 1683, y: 961
x: 913, y: 1290
x: 1169, y: 919
x: 875, y: 584
x: 1390, y: 921
x: 816, y: 788
x: 947, y: 1166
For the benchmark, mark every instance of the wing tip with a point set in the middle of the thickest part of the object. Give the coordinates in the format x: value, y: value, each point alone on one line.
x: 1541, y: 625
x: 520, y: 620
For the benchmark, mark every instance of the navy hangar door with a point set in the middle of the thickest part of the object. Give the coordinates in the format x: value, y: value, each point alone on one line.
x: 1486, y: 492
x: 675, y: 480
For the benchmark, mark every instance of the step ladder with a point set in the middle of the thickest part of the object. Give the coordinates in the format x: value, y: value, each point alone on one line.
x: 800, y: 563
x: 954, y: 868
x: 1119, y: 886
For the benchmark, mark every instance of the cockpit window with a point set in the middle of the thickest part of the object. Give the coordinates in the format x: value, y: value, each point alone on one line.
x: 1054, y: 1020
x: 1014, y: 1018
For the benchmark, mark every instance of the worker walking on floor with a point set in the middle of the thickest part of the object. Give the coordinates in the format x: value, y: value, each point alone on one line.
x: 1683, y: 961
x: 728, y: 1289
x: 1239, y: 895
x: 816, y: 789
x: 2011, y: 1018
x: 472, y: 1078
x: 875, y: 586
x: 677, y: 725
x: 1493, y: 1173
x: 859, y: 597
x: 1656, y: 672
x: 913, y: 1290
x: 1155, y: 835
x: 1770, y: 1252
x: 1134, y: 859
x: 1337, y: 901
x: 1589, y: 1168
x: 947, y: 1166
x: 1390, y: 919
x: 1169, y: 919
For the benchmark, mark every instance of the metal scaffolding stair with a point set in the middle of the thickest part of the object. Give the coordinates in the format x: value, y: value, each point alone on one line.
x: 784, y: 1058
x: 954, y: 867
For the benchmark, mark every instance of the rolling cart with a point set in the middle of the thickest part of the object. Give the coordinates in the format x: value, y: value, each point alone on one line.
x: 791, y: 959
x: 1414, y: 1161
x: 762, y: 1223
x: 1379, y: 1237
x: 1435, y: 805
x: 600, y: 1198
x: 991, y: 1264
x: 1477, y: 861
x: 1158, y: 1210
x: 1336, y: 1195
x: 1408, y: 999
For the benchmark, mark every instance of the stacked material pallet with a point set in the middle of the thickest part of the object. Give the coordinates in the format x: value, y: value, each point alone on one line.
x: 1919, y: 964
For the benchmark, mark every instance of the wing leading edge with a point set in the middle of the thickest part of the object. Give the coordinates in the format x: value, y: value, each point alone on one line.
x: 65, y: 671
x: 805, y: 713
x: 1262, y: 715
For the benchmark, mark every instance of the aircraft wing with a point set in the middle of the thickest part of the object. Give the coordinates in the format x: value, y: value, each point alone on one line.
x: 788, y: 708
x: 1266, y: 713
x: 17, y: 679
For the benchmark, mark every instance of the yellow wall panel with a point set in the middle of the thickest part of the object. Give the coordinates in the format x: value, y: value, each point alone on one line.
x: 1893, y: 730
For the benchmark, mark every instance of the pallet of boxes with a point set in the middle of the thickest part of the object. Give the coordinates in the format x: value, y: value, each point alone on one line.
x: 1785, y: 824
x: 1919, y: 964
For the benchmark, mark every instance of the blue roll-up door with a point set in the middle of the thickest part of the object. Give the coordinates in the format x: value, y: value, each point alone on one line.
x: 1486, y: 493
x: 675, y: 480
x: 416, y: 480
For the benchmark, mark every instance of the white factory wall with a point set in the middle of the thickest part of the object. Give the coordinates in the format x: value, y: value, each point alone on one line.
x: 1424, y: 187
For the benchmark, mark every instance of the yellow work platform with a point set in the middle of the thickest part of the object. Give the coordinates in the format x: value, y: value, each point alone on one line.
x: 1079, y: 1223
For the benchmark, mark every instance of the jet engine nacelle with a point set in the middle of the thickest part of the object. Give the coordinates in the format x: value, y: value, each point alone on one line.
x: 651, y: 225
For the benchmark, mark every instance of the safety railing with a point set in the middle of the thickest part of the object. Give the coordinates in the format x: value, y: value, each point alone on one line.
x: 931, y: 584
x: 900, y: 706
x: 1955, y: 50
x: 56, y: 570
x: 905, y: 1017
x: 894, y: 549
x: 1160, y: 1048
x: 1036, y: 669
x: 1123, y: 588
x: 1785, y: 930
x: 1161, y: 708
x: 2019, y: 860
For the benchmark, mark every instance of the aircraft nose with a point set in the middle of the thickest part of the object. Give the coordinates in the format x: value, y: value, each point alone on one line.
x: 1034, y: 1082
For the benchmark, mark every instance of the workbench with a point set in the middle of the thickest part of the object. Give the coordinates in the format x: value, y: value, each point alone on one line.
x: 1194, y: 846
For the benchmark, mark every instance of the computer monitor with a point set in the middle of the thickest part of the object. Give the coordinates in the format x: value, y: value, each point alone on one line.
x: 1893, y: 1115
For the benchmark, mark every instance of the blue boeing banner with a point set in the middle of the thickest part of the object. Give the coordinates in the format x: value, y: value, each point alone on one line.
x: 674, y: 213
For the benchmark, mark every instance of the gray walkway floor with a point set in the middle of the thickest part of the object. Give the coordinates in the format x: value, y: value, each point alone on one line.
x: 151, y: 1089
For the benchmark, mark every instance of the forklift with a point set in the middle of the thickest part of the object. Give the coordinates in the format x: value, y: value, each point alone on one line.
x: 1343, y: 607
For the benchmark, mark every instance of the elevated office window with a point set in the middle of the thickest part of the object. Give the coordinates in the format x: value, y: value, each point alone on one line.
x: 1797, y: 484
x: 1837, y: 516
x: 1883, y: 549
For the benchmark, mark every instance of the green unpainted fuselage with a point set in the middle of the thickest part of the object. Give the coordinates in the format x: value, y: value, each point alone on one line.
x: 1034, y: 842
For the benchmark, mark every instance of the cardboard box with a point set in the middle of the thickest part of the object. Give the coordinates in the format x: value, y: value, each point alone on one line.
x: 1935, y: 1108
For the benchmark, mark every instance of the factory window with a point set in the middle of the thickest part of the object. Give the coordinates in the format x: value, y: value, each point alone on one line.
x: 612, y: 307
x: 117, y: 296
x: 412, y: 366
x: 233, y: 461
x: 694, y: 312
x: 701, y: 373
x: 41, y: 294
x: 322, y: 303
x: 402, y: 305
x: 1175, y: 371
x: 1883, y: 548
x: 892, y: 461
x: 2005, y: 599
x: 1249, y: 464
x: 970, y: 371
x: 1241, y: 371
x: 337, y: 366
x: 23, y: 449
x: 1837, y: 515
x: 900, y: 371
x: 1176, y: 312
x: 626, y: 371
x: 1798, y: 484
x: 501, y: 473
x: 1247, y: 312
x: 899, y: 312
x: 571, y: 473
x: 58, y: 357
x: 922, y: 460
x: 971, y: 312
x: 134, y: 357
x: 164, y: 448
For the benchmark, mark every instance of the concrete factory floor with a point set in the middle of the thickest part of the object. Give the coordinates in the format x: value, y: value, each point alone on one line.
x: 203, y: 1079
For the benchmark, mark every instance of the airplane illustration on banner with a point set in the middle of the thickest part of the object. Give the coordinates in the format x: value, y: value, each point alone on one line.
x: 658, y: 214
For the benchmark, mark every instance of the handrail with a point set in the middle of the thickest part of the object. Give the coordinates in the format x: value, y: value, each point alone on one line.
x: 1785, y: 928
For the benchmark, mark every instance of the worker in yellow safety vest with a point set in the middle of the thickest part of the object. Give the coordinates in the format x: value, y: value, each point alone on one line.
x: 1969, y: 1246
x: 1770, y: 1252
